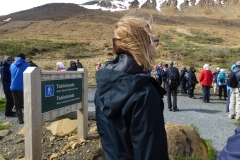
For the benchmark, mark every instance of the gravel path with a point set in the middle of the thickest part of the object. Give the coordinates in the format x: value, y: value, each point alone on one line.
x: 209, y: 118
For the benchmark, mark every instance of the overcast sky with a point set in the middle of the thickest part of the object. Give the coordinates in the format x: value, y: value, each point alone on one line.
x: 11, y: 6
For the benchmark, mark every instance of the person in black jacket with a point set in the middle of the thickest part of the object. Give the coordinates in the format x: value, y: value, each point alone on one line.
x: 192, y: 82
x: 73, y: 66
x: 183, y: 81
x: 6, y: 82
x: 31, y: 64
x: 129, y: 104
x: 172, y: 87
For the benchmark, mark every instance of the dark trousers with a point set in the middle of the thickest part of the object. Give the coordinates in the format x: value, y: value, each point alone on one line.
x: 18, y: 99
x: 173, y: 92
x: 206, y: 93
x: 228, y: 100
x: 224, y: 88
x: 183, y: 86
x: 9, y: 103
x: 191, y: 88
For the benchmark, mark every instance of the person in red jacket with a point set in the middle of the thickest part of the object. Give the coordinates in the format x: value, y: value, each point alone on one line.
x: 205, y: 79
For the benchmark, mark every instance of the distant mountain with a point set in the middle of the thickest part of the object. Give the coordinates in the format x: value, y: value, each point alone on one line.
x: 53, y: 11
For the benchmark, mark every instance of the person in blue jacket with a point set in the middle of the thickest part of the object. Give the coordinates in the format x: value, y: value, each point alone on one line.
x: 232, y: 149
x: 129, y: 104
x: 16, y: 87
x: 6, y: 81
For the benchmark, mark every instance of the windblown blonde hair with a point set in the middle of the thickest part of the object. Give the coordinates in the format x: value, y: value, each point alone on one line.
x: 132, y: 35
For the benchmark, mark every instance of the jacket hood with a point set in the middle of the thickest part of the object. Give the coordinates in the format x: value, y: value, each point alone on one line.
x: 117, y: 81
x: 191, y: 69
x: 233, y: 66
x: 5, y: 60
x: 19, y: 62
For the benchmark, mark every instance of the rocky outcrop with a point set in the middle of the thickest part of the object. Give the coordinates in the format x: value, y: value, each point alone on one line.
x: 183, y: 141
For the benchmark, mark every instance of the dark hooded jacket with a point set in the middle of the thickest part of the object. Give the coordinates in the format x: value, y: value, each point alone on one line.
x: 72, y: 68
x: 6, y: 75
x: 129, y: 112
x: 231, y: 151
x: 192, y: 77
x: 31, y: 64
x: 17, y: 69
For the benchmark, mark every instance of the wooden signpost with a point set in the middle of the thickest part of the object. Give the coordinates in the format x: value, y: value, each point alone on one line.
x: 50, y: 94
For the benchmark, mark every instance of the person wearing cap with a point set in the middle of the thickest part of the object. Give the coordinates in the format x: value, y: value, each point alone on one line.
x: 31, y: 64
x: 205, y: 79
x: 16, y: 87
x: 235, y: 96
x: 172, y: 90
x: 6, y: 82
x: 215, y: 86
x: 72, y: 67
x: 164, y: 76
x: 183, y: 80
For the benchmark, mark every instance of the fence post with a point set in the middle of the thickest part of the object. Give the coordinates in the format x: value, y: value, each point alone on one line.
x: 82, y: 114
x: 32, y: 113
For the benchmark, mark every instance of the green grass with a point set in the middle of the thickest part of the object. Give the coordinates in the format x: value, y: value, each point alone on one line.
x: 237, y: 123
x: 2, y: 104
x: 199, y: 48
x: 33, y: 47
x: 5, y: 125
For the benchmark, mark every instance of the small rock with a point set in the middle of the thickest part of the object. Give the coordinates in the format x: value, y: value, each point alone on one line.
x: 82, y: 140
x: 1, y: 157
x: 72, y: 138
x: 52, y: 138
x: 20, y: 141
x: 93, y: 130
x: 67, y: 146
x: 54, y: 155
x: 75, y: 145
x: 21, y: 132
x: 4, y: 133
x: 62, y: 152
x: 88, y: 151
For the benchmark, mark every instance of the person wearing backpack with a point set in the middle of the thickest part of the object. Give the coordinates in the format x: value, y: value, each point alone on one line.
x: 205, y: 79
x: 222, y: 84
x: 234, y: 91
x: 192, y: 82
x: 183, y: 80
x: 173, y: 81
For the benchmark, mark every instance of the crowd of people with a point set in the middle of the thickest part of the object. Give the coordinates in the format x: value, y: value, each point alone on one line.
x: 11, y: 73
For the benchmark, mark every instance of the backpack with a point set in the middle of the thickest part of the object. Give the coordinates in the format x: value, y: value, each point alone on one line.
x: 173, y: 78
x: 231, y: 79
x: 186, y: 76
x: 222, y: 76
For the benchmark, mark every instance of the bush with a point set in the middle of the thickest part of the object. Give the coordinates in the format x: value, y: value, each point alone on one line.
x: 2, y: 104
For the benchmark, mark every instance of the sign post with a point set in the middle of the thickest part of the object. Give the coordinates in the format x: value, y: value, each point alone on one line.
x: 48, y: 95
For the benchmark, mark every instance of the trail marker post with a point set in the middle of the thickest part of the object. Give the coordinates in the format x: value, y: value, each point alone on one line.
x: 47, y: 95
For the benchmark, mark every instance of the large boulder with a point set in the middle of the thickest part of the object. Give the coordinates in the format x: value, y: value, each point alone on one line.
x: 183, y: 141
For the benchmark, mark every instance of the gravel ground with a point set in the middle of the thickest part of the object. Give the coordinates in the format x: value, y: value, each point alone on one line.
x: 209, y: 118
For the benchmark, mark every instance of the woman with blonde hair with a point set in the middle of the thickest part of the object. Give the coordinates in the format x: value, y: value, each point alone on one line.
x: 205, y: 79
x: 129, y: 105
